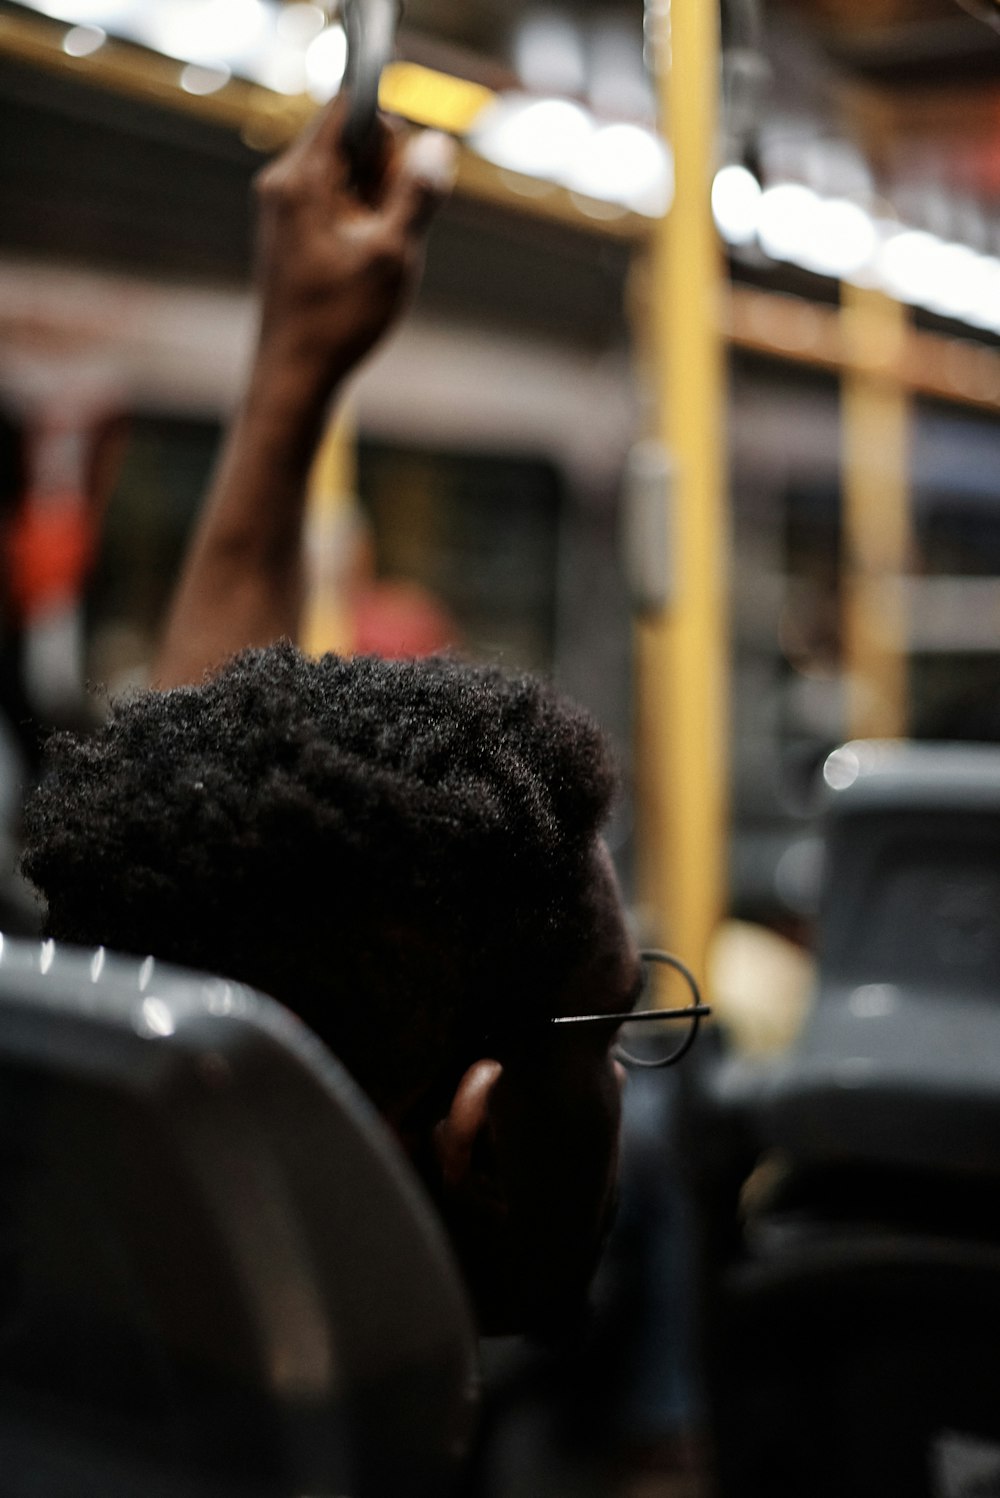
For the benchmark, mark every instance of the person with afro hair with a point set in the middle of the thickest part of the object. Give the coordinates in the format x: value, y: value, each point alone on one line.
x: 405, y: 853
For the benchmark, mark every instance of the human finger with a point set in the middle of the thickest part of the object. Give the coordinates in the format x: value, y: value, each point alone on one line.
x: 424, y: 175
x: 317, y: 152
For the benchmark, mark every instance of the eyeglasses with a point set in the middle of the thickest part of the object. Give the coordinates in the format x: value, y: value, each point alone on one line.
x: 648, y: 1037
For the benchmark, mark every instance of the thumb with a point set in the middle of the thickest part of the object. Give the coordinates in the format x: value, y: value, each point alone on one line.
x: 425, y: 177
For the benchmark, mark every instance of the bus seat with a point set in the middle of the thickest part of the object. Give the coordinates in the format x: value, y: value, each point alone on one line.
x: 847, y: 1195
x: 218, y: 1273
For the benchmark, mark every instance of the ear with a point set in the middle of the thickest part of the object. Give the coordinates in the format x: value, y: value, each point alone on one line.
x: 463, y: 1141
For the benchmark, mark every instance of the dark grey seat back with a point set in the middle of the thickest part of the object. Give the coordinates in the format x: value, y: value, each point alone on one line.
x: 898, y: 1064
x: 849, y: 1247
x: 218, y: 1273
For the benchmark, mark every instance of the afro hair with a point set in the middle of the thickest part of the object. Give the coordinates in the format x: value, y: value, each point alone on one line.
x: 397, y: 850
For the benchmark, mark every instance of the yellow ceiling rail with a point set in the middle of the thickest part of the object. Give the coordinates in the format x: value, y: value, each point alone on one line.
x: 797, y: 331
x: 436, y: 100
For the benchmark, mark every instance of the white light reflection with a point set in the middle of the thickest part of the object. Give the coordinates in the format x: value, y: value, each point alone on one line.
x: 736, y: 198
x: 281, y: 68
x: 984, y: 299
x: 624, y: 164
x: 299, y: 24
x: 281, y: 65
x: 200, y: 80
x: 326, y: 59
x: 539, y: 138
x: 958, y: 270
x: 213, y: 33
x: 842, y: 768
x: 951, y: 279
x: 81, y: 41
x: 907, y: 265
x: 842, y: 241
x: 173, y: 29
x: 228, y: 28
x: 838, y: 238
x: 155, y: 1017
x: 786, y: 221
x: 106, y: 14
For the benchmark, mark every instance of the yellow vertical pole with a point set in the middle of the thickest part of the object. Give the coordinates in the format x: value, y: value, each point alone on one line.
x: 326, y: 622
x: 682, y: 652
x: 875, y: 428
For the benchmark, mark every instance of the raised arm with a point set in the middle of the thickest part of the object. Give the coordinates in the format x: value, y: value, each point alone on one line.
x: 337, y: 261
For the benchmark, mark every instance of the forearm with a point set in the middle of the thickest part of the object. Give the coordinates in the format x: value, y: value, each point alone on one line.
x: 335, y: 266
x: 243, y: 580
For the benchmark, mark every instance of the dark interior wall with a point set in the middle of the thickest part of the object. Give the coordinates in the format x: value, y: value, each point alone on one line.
x: 97, y: 178
x: 91, y: 176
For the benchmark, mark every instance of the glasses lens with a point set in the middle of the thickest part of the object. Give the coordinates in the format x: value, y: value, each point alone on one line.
x: 658, y: 1042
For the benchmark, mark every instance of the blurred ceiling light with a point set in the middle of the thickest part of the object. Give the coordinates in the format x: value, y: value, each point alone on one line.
x: 624, y: 164
x: 280, y: 67
x: 957, y: 285
x: 984, y: 301
x: 81, y: 41
x: 539, y: 138
x: 548, y: 53
x: 843, y: 241
x: 299, y: 24
x: 829, y: 236
x: 103, y: 13
x: 834, y: 237
x: 207, y: 31
x: 787, y: 221
x: 908, y: 266
x: 967, y: 285
x: 326, y: 59
x: 736, y: 198
x: 173, y: 27
x: 231, y: 27
x: 200, y: 80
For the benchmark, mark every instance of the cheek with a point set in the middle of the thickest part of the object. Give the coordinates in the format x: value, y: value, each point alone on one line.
x: 571, y: 1153
x: 563, y: 1191
x: 596, y: 1132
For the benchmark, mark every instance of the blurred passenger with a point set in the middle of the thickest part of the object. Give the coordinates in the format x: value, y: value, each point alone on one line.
x: 407, y: 853
x: 56, y: 472
x: 18, y: 736
x: 19, y: 748
x: 394, y: 617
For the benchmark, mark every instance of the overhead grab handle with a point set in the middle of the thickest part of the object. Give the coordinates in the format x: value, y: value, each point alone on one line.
x: 371, y: 39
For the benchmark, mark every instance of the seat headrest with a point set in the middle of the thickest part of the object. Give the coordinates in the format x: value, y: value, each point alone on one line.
x: 219, y: 1272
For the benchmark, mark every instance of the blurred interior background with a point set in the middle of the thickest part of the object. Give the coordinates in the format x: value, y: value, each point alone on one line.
x: 480, y: 494
x: 517, y: 476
